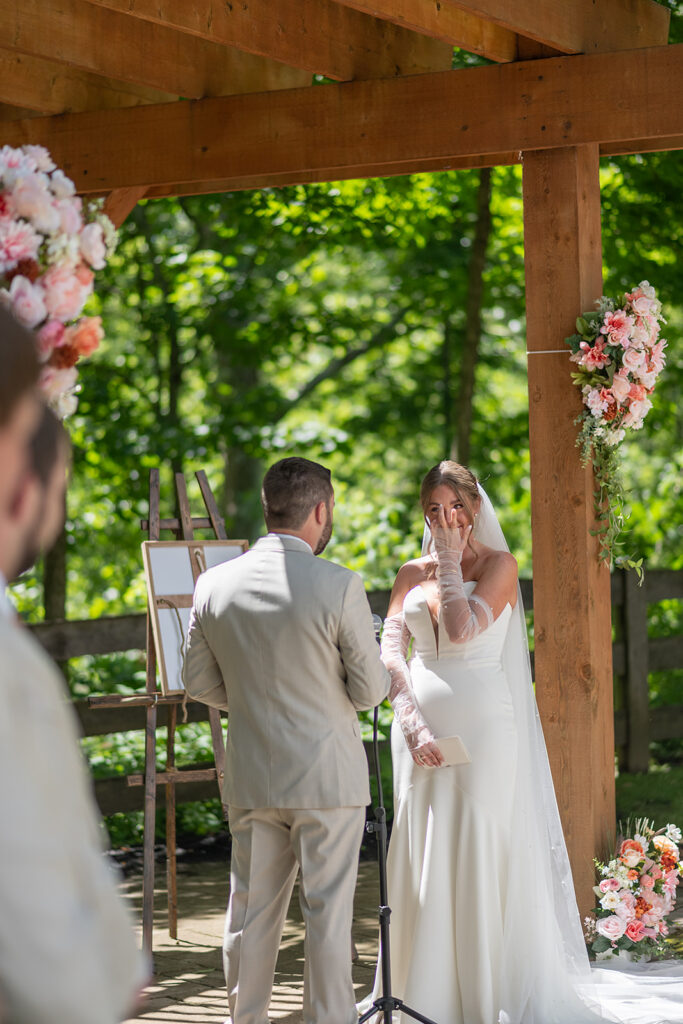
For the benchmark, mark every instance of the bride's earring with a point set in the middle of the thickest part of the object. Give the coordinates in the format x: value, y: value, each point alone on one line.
x: 474, y: 524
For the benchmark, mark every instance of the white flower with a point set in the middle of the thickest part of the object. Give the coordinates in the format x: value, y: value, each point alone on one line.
x: 643, y: 840
x: 41, y: 157
x: 92, y: 245
x: 610, y: 901
x: 673, y: 833
x: 62, y: 187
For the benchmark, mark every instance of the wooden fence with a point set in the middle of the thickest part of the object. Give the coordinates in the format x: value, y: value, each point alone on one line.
x: 635, y: 656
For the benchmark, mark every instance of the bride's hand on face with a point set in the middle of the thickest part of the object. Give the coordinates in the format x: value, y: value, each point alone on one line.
x: 448, y: 534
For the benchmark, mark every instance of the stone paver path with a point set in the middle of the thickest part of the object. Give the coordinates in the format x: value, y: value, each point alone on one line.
x: 188, y: 985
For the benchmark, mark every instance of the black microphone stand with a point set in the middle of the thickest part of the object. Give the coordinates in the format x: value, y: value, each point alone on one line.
x: 385, y: 1003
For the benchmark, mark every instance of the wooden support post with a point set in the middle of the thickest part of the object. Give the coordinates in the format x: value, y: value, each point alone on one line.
x: 171, y: 860
x: 573, y: 632
x: 637, y: 690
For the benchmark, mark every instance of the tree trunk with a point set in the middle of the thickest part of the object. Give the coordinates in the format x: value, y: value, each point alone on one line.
x: 460, y: 449
x: 54, y: 583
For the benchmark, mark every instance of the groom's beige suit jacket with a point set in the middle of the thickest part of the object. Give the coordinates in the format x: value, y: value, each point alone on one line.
x: 68, y: 954
x: 283, y: 640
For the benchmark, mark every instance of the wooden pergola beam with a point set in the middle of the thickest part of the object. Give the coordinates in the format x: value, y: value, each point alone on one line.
x: 491, y: 27
x: 319, y: 36
x: 578, y: 26
x: 102, y: 42
x: 365, y: 127
x: 52, y: 88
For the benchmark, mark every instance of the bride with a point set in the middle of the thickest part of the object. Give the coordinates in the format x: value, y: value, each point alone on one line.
x: 485, y: 926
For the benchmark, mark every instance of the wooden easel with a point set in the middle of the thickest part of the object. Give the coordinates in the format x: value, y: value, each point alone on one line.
x: 183, y: 526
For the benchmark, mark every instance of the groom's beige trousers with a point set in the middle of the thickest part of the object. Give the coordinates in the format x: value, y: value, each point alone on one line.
x: 269, y: 845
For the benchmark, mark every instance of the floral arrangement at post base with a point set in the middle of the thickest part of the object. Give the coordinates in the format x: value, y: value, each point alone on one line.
x: 619, y: 355
x: 636, y: 891
x: 51, y: 242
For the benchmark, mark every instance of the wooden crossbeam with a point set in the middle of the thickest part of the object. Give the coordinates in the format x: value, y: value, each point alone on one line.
x: 577, y: 26
x: 104, y: 42
x: 446, y: 22
x: 338, y: 130
x: 318, y: 35
x: 52, y: 88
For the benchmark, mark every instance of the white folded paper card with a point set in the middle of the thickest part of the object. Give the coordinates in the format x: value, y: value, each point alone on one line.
x: 453, y: 750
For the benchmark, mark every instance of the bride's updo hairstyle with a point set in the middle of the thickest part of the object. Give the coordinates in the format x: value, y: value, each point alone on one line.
x: 460, y: 480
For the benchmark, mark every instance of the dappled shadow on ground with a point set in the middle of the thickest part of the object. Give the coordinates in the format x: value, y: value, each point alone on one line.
x: 188, y: 985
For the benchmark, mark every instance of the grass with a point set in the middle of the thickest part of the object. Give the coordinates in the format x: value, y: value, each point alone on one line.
x: 657, y: 795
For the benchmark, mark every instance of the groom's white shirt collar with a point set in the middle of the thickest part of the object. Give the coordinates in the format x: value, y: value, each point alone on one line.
x: 296, y: 541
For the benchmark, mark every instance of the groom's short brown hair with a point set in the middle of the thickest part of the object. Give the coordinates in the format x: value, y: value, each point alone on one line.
x: 291, y: 488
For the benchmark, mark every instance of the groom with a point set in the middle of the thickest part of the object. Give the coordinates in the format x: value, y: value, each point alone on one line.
x: 285, y: 642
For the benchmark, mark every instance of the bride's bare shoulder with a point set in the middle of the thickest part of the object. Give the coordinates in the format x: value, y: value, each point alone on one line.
x: 410, y: 574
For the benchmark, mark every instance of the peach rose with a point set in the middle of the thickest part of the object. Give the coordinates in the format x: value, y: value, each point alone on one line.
x: 87, y: 335
x: 647, y: 882
x: 635, y: 931
x: 631, y: 853
x: 620, y: 385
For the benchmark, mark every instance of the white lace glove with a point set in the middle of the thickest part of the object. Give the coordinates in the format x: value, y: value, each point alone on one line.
x: 395, y: 641
x: 463, y: 617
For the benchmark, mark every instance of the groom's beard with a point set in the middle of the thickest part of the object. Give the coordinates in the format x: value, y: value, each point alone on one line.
x: 325, y: 535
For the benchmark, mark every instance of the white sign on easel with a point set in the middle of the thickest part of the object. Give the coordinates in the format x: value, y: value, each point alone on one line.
x: 171, y: 568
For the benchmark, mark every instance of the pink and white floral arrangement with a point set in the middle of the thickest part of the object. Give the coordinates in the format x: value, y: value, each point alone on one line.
x: 51, y: 242
x: 636, y: 891
x: 619, y: 355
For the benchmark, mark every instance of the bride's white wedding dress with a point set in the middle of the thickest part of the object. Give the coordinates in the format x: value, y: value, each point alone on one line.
x: 484, y: 923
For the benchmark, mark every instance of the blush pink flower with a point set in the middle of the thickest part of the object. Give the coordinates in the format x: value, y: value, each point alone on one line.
x: 50, y: 335
x: 617, y: 326
x: 647, y: 882
x: 27, y: 301
x: 64, y: 293
x: 70, y: 217
x: 32, y: 200
x: 611, y: 927
x: 634, y: 359
x: 18, y: 241
x: 657, y: 357
x: 637, y: 412
x: 594, y: 356
x: 609, y: 883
